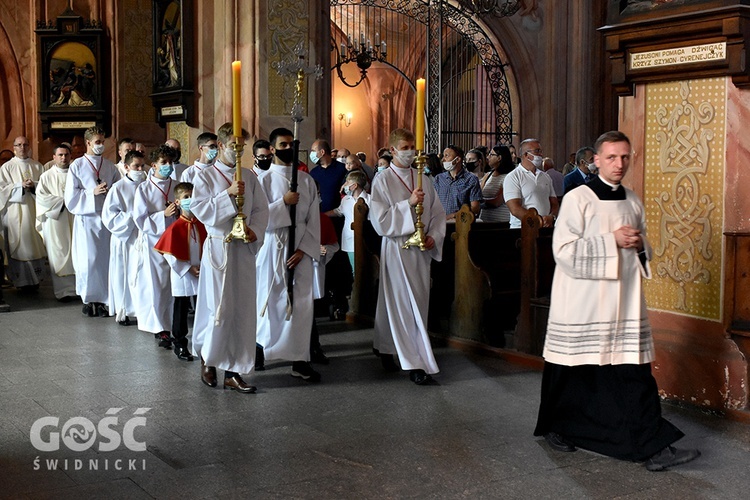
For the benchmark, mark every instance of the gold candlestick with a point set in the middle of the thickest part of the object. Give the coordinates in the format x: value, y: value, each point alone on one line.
x: 417, y: 239
x: 239, y: 229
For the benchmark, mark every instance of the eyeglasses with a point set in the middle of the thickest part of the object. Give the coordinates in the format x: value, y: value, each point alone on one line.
x: 492, y: 154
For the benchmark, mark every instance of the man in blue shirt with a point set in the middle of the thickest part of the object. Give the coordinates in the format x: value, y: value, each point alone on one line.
x: 457, y: 186
x: 328, y: 173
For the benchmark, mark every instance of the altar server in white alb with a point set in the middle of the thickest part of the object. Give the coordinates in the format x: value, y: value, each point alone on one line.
x: 597, y: 389
x: 124, y: 257
x: 224, y: 327
x: 404, y: 293
x: 55, y: 223
x: 25, y: 246
x: 89, y: 179
x: 209, y: 150
x: 284, y: 326
x: 154, y: 209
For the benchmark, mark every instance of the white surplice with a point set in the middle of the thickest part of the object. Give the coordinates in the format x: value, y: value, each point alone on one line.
x: 284, y: 328
x: 225, y: 314
x: 25, y: 246
x: 404, y: 292
x: 189, y: 173
x: 598, y: 313
x: 124, y: 257
x: 153, y: 295
x: 90, y: 237
x: 55, y: 224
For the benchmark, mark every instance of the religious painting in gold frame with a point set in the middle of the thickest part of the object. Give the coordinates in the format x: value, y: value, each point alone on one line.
x: 71, y: 76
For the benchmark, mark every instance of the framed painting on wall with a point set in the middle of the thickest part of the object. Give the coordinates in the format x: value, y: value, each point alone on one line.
x: 72, y: 74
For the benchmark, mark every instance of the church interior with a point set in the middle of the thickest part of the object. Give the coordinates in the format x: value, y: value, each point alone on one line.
x: 671, y: 74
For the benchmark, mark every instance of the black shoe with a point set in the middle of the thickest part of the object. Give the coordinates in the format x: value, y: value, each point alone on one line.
x: 318, y: 356
x: 558, y: 443
x: 89, y: 310
x: 669, y: 457
x: 125, y: 322
x: 183, y: 353
x: 419, y: 377
x: 260, y: 358
x: 102, y: 310
x: 389, y: 364
x: 303, y: 370
x: 165, y: 340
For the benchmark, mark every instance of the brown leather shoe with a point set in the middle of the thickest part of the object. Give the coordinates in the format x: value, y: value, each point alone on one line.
x: 208, y: 374
x: 236, y: 383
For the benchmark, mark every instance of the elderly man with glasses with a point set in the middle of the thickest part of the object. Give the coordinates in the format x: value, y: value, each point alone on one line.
x: 18, y: 179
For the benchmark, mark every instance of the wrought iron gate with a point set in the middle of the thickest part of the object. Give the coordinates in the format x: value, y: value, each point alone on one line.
x: 469, y: 100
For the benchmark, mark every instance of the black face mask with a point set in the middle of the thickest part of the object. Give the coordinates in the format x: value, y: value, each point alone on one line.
x: 470, y: 165
x: 285, y: 155
x: 264, y: 164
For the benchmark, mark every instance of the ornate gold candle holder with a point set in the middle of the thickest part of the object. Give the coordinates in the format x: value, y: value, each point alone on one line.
x: 418, y: 238
x: 239, y: 229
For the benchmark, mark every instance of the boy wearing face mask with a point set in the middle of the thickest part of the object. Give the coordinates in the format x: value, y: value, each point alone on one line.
x: 457, y: 186
x: 89, y: 179
x: 117, y: 217
x: 404, y: 293
x: 154, y: 209
x: 181, y: 245
x: 209, y: 149
x: 527, y: 186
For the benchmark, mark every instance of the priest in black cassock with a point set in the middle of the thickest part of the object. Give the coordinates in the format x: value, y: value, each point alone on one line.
x: 598, y: 392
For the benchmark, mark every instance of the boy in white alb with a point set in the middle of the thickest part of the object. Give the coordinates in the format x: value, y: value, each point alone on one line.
x: 89, y: 179
x: 124, y: 262
x: 154, y: 209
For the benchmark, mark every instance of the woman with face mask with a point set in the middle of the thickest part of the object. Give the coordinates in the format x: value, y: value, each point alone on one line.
x: 475, y: 162
x: 493, y: 206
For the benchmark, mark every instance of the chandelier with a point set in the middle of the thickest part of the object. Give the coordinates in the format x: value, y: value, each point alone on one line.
x: 499, y: 8
x: 363, y: 52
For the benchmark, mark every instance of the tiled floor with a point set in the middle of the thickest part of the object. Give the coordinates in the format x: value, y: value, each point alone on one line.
x: 361, y: 433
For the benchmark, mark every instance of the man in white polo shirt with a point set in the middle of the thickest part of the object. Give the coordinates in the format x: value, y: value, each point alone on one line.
x: 529, y: 187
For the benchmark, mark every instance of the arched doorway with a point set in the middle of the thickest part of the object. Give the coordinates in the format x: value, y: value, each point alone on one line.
x: 469, y: 95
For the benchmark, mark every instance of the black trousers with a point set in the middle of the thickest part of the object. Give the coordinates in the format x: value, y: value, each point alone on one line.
x: 180, y: 321
x: 613, y: 410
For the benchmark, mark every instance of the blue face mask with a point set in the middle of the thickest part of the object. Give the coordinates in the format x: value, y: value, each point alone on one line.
x: 166, y: 170
x: 185, y: 204
x: 211, y: 154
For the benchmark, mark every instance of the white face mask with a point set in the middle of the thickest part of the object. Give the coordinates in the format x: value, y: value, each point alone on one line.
x: 313, y: 157
x: 592, y: 167
x: 231, y: 156
x: 97, y: 149
x: 536, y: 160
x: 448, y: 166
x: 137, y: 175
x: 405, y: 158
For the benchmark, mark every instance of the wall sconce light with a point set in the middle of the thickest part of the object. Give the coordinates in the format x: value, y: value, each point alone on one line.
x: 346, y: 118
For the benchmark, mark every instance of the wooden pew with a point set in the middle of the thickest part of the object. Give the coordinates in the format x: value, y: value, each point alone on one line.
x: 366, y: 268
x: 537, y: 269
